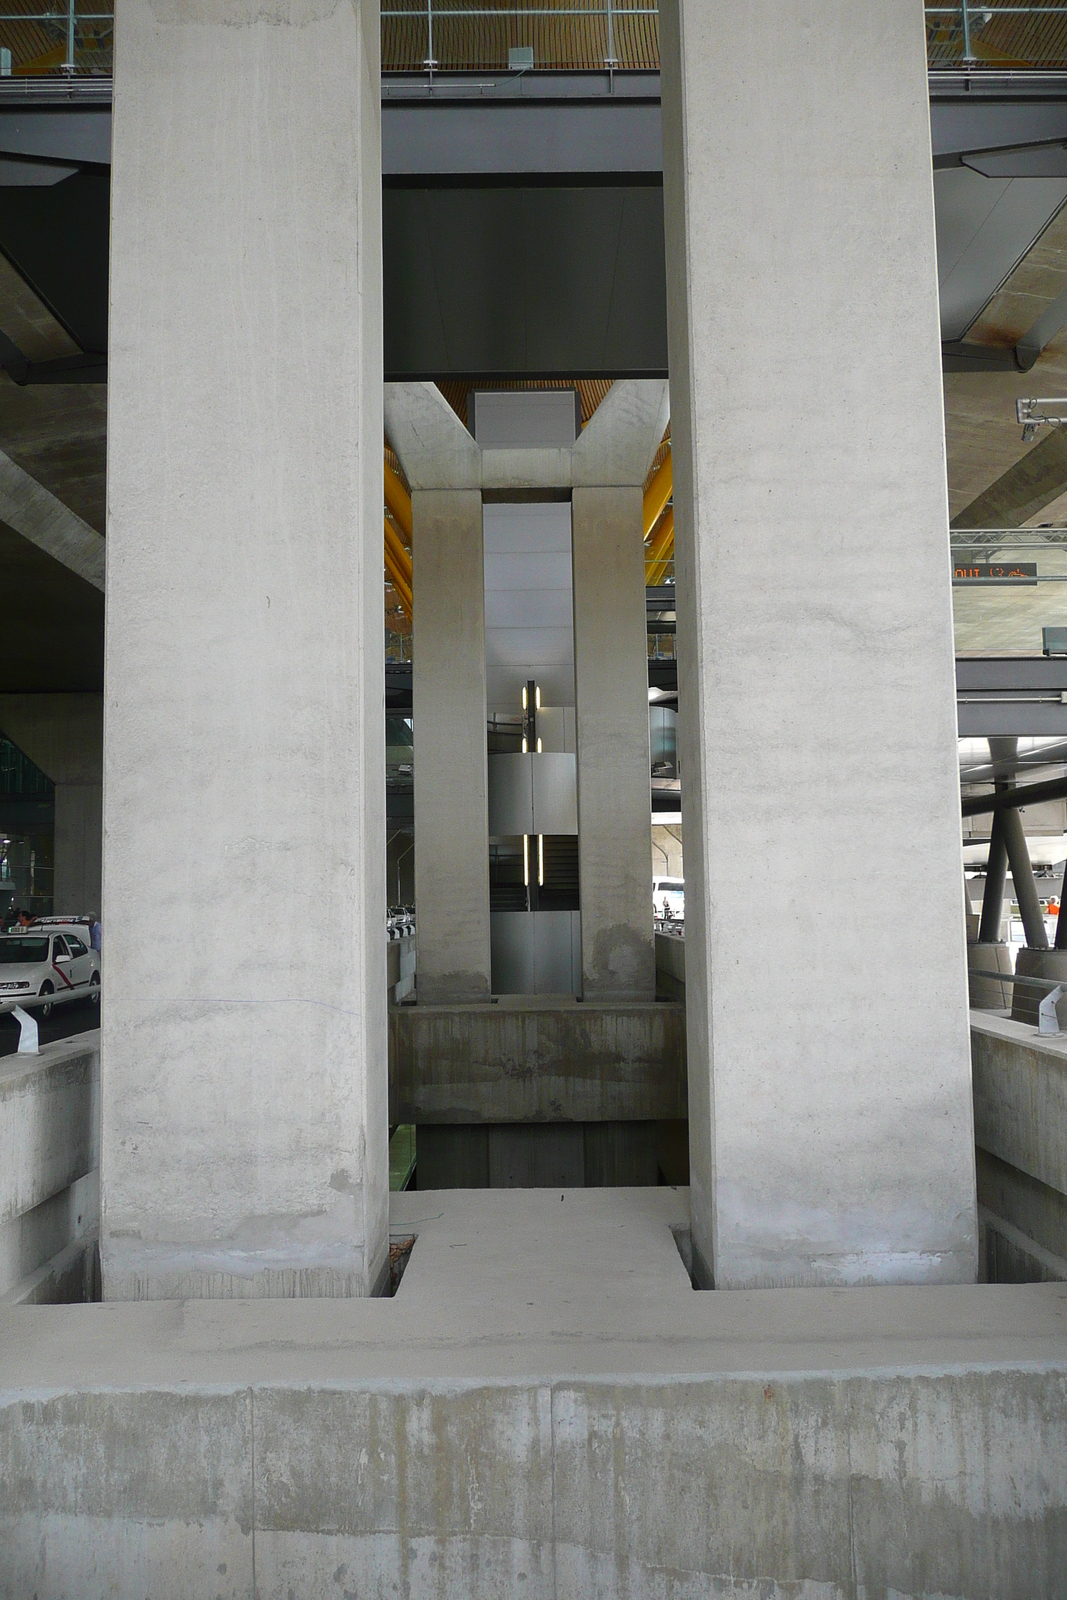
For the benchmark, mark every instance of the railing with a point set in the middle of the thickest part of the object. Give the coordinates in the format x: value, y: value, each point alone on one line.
x: 74, y: 38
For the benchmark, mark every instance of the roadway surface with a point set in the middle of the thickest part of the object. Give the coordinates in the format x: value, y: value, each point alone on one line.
x: 78, y: 1016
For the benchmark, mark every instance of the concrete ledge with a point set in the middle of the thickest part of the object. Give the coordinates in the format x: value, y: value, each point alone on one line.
x: 538, y: 1059
x: 47, y: 1121
x: 1020, y: 1096
x: 545, y: 1409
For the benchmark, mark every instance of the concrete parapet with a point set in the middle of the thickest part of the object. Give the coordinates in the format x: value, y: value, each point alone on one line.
x: 1025, y: 999
x: 533, y: 1060
x: 49, y: 1189
x: 989, y: 994
x: 546, y: 1408
x: 670, y: 964
x: 1020, y: 1122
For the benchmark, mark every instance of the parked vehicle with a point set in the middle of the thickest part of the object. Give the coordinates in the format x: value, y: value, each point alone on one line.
x: 668, y: 899
x: 39, y: 963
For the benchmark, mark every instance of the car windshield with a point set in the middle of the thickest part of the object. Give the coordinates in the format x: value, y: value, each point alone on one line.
x: 13, y: 950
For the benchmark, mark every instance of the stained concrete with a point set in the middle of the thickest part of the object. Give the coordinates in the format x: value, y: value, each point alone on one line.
x: 528, y: 1058
x: 49, y: 1179
x: 611, y: 693
x: 244, y: 1073
x: 546, y: 1408
x: 448, y: 713
x: 830, y: 1127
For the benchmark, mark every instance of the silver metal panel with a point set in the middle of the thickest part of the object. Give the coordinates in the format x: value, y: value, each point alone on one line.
x: 555, y: 795
x: 511, y: 946
x: 529, y: 627
x: 554, y: 970
x: 489, y: 136
x: 984, y: 225
x: 511, y: 796
x: 536, y: 952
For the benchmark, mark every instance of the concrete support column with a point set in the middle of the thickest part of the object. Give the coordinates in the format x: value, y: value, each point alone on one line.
x: 451, y: 769
x: 996, y: 874
x: 830, y: 1123
x: 611, y: 691
x: 244, y: 1080
x: 63, y: 735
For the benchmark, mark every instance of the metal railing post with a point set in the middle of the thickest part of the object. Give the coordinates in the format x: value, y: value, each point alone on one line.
x: 69, y: 62
x: 610, y: 60
x: 965, y: 22
x: 429, y: 63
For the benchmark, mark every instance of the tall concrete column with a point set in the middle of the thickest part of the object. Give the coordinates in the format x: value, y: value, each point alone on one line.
x: 830, y: 1106
x: 611, y: 693
x: 63, y: 735
x: 243, y: 1069
x: 451, y: 772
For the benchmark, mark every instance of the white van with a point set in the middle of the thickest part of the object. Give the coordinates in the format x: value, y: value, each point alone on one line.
x: 668, y: 899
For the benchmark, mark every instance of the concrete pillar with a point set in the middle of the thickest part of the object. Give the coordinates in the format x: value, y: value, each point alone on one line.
x: 63, y: 735
x: 611, y: 692
x: 244, y: 1084
x: 830, y: 1105
x: 451, y: 773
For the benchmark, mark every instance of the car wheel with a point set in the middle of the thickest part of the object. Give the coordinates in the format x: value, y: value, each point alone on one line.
x: 94, y: 989
x: 46, y: 1011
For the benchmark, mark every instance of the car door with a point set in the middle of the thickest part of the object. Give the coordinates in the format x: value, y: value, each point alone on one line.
x: 81, y: 961
x: 62, y: 964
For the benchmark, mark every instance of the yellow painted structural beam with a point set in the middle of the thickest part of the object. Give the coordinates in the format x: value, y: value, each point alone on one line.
x: 400, y: 581
x: 399, y: 502
x: 660, y: 552
x: 657, y: 494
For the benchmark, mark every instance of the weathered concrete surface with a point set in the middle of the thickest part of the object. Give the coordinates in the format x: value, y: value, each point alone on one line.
x: 527, y: 1059
x: 1020, y: 1096
x: 63, y: 734
x: 244, y: 1031
x: 545, y: 1409
x: 48, y: 1121
x: 49, y: 1180
x: 611, y: 694
x: 1020, y: 1115
x: 830, y: 1127
x: 452, y: 779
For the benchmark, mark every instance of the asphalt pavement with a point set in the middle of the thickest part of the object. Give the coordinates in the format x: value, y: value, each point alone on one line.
x: 77, y: 1017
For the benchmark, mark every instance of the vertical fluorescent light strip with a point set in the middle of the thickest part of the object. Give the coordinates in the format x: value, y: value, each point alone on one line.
x: 524, y: 744
x: 541, y: 859
x: 539, y: 745
x: 526, y: 859
x: 537, y: 696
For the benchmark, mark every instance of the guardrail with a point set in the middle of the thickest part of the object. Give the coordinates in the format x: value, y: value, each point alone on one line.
x: 20, y: 1009
x: 62, y: 40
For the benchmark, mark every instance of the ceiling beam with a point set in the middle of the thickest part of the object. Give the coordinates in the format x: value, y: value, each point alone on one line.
x: 32, y: 511
x: 1034, y: 481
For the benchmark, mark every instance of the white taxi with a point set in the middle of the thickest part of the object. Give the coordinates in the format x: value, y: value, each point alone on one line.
x: 41, y: 963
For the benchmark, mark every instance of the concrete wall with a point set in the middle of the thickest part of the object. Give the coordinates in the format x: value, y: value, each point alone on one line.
x: 451, y: 774
x: 611, y: 693
x: 63, y: 735
x: 1020, y: 1127
x: 49, y: 1187
x: 799, y: 211
x: 545, y: 1409
x: 525, y: 1059
x: 244, y: 1032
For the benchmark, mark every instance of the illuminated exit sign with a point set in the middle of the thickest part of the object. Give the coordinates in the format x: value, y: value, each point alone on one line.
x: 994, y: 572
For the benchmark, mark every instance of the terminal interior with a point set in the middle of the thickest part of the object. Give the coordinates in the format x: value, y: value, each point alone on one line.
x: 550, y: 681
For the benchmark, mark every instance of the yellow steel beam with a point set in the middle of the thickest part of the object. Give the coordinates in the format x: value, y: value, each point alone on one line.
x: 398, y: 580
x: 400, y: 555
x: 399, y: 502
x: 660, y: 551
x: 657, y: 494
